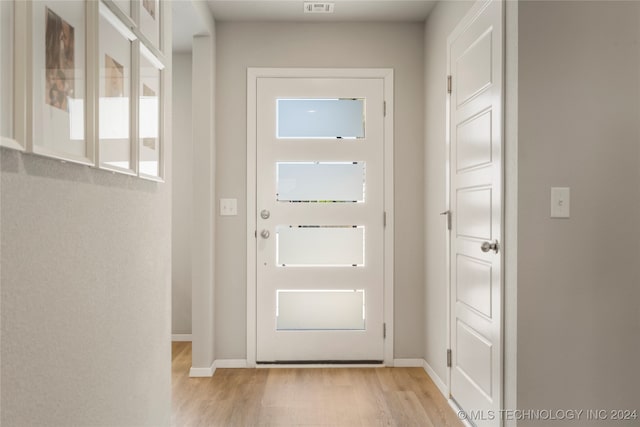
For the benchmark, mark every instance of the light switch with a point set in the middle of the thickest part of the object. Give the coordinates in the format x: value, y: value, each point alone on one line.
x: 560, y: 202
x: 228, y: 207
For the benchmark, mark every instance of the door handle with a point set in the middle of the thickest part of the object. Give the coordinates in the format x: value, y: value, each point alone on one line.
x: 265, y: 234
x: 265, y: 214
x: 490, y: 246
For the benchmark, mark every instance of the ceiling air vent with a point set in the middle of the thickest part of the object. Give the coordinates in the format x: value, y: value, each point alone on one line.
x: 318, y: 7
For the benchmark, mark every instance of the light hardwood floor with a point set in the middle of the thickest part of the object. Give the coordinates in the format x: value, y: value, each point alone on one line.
x: 306, y: 397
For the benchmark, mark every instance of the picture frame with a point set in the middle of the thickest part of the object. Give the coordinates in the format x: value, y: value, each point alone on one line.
x: 116, y: 150
x: 10, y: 89
x: 60, y: 81
x: 149, y: 16
x: 150, y: 116
x: 123, y: 6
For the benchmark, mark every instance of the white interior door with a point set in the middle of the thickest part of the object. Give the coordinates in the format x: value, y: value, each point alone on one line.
x: 475, y: 111
x: 319, y: 216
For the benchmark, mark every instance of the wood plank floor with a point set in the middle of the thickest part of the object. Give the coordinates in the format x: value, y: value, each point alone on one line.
x: 306, y: 397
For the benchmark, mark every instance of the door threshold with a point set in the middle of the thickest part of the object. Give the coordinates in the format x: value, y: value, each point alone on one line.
x: 321, y: 364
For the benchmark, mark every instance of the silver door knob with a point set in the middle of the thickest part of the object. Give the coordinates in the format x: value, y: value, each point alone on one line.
x: 490, y: 246
x: 265, y: 214
x: 265, y: 234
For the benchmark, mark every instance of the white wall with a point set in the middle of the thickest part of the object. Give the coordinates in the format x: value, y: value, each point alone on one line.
x: 398, y: 46
x: 86, y: 266
x: 85, y: 294
x: 440, y: 23
x: 182, y: 203
x: 579, y: 279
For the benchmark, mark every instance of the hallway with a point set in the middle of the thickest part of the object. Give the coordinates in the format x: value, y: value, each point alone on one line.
x: 288, y: 397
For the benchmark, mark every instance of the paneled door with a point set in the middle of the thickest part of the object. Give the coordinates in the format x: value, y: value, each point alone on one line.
x: 319, y: 219
x: 475, y: 131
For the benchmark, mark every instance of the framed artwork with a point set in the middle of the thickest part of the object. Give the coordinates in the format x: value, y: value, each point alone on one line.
x: 116, y: 152
x: 59, y: 81
x: 149, y: 21
x: 7, y: 135
x: 150, y: 117
x: 124, y: 6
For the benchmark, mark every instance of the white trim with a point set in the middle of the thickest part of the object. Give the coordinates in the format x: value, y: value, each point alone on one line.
x: 203, y: 372
x: 181, y: 337
x: 385, y: 73
x: 252, y: 91
x: 218, y: 364
x: 444, y: 389
x: 408, y: 363
x: 151, y: 57
x: 230, y: 363
x: 389, y: 202
x: 111, y: 17
x: 447, y: 196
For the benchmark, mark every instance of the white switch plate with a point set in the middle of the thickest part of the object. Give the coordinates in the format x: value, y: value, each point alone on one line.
x: 228, y: 207
x: 560, y: 202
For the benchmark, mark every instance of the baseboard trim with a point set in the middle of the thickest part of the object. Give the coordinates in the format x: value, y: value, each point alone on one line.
x: 181, y: 337
x: 408, y: 363
x: 436, y: 379
x: 230, y: 363
x: 202, y: 372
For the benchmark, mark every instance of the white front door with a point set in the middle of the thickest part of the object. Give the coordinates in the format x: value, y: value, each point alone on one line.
x: 475, y: 130
x: 319, y: 219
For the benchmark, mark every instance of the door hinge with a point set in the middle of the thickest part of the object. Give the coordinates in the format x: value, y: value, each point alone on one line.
x: 255, y: 234
x: 449, y: 84
x: 448, y: 358
x: 384, y: 219
x: 448, y: 214
x: 384, y: 330
x: 384, y: 108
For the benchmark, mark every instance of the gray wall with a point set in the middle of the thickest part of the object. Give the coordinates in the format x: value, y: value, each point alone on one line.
x: 182, y: 203
x: 204, y: 171
x: 579, y: 279
x: 242, y: 45
x: 440, y: 23
x: 86, y: 267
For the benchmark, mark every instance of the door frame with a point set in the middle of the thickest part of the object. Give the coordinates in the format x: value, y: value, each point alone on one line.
x: 477, y: 8
x: 253, y: 74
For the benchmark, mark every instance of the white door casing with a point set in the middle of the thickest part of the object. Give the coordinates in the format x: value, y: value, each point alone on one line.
x: 475, y: 134
x: 267, y: 340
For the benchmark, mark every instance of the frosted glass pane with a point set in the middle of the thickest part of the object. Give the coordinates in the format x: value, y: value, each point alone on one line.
x: 320, y: 118
x: 312, y: 245
x: 321, y: 182
x: 320, y: 310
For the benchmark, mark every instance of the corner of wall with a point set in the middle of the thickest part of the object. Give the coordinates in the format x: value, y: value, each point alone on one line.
x: 510, y: 346
x: 203, y: 245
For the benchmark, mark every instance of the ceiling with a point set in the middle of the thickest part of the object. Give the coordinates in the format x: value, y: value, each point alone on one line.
x: 344, y: 10
x: 292, y: 11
